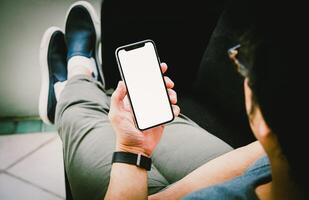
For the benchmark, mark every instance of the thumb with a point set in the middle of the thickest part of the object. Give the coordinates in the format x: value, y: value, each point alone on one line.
x: 119, y: 94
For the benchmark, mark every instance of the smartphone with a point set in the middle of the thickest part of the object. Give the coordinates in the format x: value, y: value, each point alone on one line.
x: 139, y: 67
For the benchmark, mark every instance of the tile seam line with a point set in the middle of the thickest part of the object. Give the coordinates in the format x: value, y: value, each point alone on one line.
x: 30, y: 153
x: 33, y: 184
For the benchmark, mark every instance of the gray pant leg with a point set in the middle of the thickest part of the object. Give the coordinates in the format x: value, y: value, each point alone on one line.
x: 184, y: 147
x: 89, y: 140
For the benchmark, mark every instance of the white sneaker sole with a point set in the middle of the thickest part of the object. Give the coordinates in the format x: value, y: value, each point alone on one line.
x: 43, y: 99
x: 97, y: 27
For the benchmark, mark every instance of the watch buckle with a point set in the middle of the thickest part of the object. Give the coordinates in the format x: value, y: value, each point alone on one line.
x: 138, y: 161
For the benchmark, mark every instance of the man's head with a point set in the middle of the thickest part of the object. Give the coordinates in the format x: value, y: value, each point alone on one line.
x: 274, y: 53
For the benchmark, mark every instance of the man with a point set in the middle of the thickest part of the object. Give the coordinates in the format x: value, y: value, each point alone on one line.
x: 73, y: 97
x: 271, y: 61
x: 87, y: 132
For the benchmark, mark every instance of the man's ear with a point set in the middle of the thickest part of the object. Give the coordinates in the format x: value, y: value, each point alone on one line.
x: 256, y: 119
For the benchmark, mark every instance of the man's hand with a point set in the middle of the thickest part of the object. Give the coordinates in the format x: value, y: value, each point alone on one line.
x: 129, y: 180
x: 129, y: 138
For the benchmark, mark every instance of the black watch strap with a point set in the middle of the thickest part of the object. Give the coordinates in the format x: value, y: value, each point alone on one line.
x: 133, y: 159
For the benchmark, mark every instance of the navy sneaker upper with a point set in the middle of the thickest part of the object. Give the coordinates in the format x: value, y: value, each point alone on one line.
x: 80, y: 33
x: 57, y: 68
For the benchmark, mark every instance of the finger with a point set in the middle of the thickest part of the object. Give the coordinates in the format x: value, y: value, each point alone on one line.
x: 172, y: 95
x: 176, y: 110
x: 163, y: 67
x: 168, y: 82
x: 118, y: 95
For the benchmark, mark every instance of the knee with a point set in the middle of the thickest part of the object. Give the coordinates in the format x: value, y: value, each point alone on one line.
x: 67, y: 117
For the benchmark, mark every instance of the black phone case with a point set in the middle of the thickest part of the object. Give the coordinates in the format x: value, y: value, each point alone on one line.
x: 129, y: 47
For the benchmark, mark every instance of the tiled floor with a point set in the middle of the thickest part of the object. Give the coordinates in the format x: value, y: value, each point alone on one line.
x: 31, y: 167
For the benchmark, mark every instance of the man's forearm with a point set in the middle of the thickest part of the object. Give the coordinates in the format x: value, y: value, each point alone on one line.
x: 216, y: 171
x: 127, y: 182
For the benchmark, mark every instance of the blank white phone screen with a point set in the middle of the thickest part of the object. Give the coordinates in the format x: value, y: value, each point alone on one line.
x: 142, y: 74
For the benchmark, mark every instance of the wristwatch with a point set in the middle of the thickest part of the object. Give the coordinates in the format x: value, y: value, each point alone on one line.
x: 133, y: 159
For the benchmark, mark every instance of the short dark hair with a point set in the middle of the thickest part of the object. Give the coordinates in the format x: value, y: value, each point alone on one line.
x: 276, y: 50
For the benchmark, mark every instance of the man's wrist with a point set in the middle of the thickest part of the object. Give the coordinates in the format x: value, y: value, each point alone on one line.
x: 130, y: 149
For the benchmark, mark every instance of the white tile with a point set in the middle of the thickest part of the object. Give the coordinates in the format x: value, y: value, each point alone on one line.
x: 12, y: 189
x: 44, y: 168
x: 15, y: 147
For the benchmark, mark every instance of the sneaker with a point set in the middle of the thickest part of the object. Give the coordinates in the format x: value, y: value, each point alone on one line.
x: 82, y: 33
x: 53, y: 64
